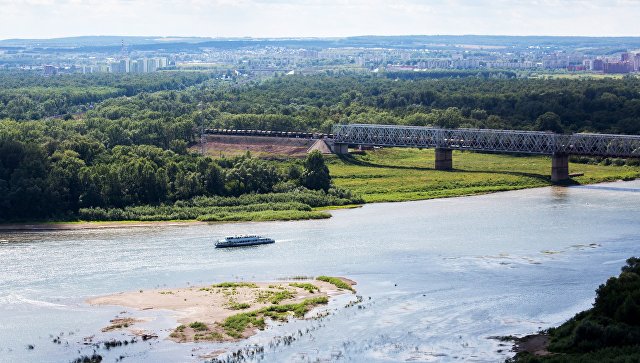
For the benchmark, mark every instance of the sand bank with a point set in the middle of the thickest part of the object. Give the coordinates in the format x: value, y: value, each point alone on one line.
x: 14, y: 227
x: 226, y: 311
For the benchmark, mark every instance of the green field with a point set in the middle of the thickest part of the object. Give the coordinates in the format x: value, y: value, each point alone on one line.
x: 395, y: 174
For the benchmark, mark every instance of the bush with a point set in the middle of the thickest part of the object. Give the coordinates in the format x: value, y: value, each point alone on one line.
x: 336, y: 282
x: 198, y: 326
x: 273, y: 206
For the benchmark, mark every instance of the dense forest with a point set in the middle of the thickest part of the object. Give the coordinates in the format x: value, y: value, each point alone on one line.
x: 58, y: 168
x: 30, y: 96
x: 127, y: 143
x: 316, y: 103
x: 608, y: 332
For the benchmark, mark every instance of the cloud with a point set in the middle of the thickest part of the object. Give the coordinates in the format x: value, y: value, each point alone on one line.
x: 271, y: 18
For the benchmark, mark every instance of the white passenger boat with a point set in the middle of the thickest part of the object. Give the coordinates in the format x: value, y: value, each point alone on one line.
x: 237, y: 241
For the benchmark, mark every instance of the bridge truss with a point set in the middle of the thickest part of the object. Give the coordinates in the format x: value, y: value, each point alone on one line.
x: 510, y: 141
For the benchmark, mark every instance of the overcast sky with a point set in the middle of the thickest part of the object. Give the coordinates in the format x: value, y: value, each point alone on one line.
x: 319, y: 18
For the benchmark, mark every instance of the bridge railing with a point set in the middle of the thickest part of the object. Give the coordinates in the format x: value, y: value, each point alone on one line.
x: 533, y: 142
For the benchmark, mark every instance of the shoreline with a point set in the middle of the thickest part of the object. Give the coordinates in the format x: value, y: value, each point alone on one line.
x: 87, y: 225
x: 81, y: 225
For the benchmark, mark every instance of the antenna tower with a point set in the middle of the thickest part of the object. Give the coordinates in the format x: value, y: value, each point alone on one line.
x: 123, y: 50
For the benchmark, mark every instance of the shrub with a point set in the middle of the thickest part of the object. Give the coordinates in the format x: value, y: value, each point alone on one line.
x: 336, y: 282
x: 198, y: 326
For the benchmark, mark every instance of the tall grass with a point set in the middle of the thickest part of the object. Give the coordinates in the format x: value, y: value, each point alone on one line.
x: 235, y: 325
x: 278, y: 215
x: 250, y: 207
x: 336, y: 282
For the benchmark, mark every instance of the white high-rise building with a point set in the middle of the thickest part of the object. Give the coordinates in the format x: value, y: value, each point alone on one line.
x: 152, y: 64
x: 124, y: 66
x: 163, y: 62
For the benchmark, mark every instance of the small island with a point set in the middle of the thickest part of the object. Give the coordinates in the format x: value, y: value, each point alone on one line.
x: 229, y: 311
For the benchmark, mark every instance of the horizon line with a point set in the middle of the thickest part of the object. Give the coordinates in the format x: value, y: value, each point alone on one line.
x: 327, y: 37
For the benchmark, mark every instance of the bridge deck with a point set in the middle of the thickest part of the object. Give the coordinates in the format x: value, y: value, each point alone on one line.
x: 532, y: 142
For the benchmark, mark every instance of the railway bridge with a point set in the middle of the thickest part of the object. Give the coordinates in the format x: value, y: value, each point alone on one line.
x: 558, y: 146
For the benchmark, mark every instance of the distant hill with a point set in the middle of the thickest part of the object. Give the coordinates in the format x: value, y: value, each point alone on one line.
x: 97, y: 41
x: 602, y: 45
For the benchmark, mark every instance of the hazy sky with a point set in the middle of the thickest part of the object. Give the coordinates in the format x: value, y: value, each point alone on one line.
x: 322, y: 18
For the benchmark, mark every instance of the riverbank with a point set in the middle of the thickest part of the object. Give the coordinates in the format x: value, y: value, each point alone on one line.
x: 66, y: 226
x: 391, y: 175
x: 404, y: 174
x: 227, y: 311
x: 607, y: 332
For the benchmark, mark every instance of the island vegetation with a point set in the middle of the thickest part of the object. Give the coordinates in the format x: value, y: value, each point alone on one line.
x: 608, y: 332
x: 118, y: 147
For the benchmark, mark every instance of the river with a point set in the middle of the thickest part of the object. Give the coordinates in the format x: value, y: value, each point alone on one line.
x: 438, y: 277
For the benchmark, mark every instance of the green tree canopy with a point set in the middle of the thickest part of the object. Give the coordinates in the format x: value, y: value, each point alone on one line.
x: 316, y: 174
x: 549, y: 121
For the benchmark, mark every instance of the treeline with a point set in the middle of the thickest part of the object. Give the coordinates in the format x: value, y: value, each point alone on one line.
x: 132, y: 83
x: 454, y: 73
x: 131, y: 151
x: 115, y: 158
x: 30, y: 96
x: 54, y: 169
x: 608, y: 332
x: 315, y: 103
x: 37, y: 102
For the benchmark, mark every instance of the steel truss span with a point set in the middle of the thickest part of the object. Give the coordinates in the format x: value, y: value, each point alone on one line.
x: 531, y: 142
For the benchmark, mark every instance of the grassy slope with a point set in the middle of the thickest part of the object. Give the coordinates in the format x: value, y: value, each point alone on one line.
x: 395, y: 174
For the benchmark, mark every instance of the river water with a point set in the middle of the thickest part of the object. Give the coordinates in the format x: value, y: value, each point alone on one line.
x: 438, y: 277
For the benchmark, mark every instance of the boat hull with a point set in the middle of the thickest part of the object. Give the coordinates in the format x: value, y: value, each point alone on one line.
x: 244, y: 243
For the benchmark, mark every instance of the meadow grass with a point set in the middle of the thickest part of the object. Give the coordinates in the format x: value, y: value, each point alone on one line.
x: 238, y: 306
x: 336, y: 282
x: 274, y: 297
x: 267, y: 215
x: 336, y: 207
x: 236, y: 284
x: 404, y: 174
x: 305, y: 285
x: 198, y: 326
x: 211, y: 336
x: 235, y: 325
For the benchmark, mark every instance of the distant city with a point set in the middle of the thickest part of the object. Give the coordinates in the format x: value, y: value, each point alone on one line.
x: 109, y: 65
x: 365, y: 54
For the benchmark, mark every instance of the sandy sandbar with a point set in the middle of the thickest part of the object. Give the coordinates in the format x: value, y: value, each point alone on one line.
x: 211, y: 305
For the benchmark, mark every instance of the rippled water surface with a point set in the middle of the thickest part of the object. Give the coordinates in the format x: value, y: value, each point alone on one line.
x: 438, y: 277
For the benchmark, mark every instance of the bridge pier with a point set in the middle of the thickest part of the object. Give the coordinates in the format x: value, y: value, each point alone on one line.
x: 444, y: 159
x: 341, y: 149
x: 559, y: 167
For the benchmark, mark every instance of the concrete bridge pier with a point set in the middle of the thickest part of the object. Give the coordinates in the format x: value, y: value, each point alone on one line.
x: 559, y: 167
x: 341, y: 149
x: 444, y: 159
